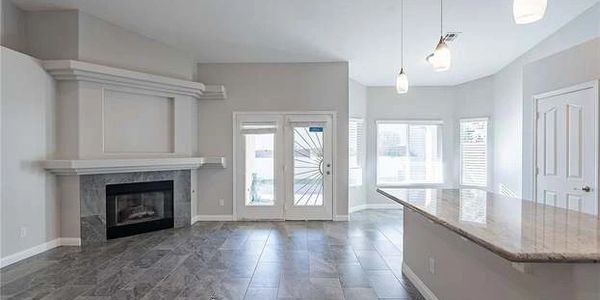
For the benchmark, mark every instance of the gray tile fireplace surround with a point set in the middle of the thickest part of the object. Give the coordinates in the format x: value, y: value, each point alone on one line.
x: 93, y: 199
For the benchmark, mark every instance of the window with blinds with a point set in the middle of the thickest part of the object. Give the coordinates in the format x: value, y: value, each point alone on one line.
x: 355, y: 149
x: 409, y: 153
x: 474, y: 152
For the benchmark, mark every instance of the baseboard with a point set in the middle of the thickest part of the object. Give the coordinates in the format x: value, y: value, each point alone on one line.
x: 35, y: 250
x: 341, y: 218
x: 198, y: 218
x: 416, y: 281
x: 69, y: 241
x: 357, y: 208
x: 374, y: 206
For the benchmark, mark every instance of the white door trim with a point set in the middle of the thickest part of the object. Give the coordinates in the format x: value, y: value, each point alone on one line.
x: 572, y: 89
x: 332, y: 114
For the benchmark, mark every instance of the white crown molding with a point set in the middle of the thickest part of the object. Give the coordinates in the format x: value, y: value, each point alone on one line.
x: 83, y: 71
x: 107, y: 166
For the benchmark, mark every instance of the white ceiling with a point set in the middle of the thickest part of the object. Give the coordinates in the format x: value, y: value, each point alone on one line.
x: 364, y: 32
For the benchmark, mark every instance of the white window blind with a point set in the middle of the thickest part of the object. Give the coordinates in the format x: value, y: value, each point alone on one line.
x: 474, y: 152
x: 409, y: 153
x: 355, y: 149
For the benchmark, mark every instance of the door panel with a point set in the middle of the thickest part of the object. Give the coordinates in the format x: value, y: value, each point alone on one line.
x: 550, y: 141
x: 566, y: 150
x: 309, y: 167
x: 574, y: 141
x: 258, y: 167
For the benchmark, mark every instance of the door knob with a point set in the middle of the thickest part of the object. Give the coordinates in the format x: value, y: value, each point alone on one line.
x: 584, y: 188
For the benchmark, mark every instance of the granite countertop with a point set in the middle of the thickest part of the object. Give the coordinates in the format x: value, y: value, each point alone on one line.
x: 516, y: 229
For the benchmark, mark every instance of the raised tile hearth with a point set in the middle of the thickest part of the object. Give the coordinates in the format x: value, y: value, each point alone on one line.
x: 93, y: 214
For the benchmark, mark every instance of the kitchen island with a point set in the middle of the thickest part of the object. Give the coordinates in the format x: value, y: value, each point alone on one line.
x: 472, y: 244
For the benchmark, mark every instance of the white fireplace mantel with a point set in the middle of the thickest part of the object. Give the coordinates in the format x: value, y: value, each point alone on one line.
x: 83, y: 71
x: 107, y: 166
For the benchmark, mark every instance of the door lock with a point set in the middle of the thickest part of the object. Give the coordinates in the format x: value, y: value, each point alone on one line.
x: 586, y: 189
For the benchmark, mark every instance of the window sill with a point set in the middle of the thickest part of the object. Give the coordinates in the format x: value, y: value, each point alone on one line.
x: 413, y: 185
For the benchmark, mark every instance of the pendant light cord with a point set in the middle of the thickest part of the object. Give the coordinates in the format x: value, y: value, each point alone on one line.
x: 441, y: 17
x: 402, y: 33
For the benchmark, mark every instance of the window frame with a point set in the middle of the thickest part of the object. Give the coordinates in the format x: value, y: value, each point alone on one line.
x: 360, y: 149
x: 488, y: 156
x: 437, y: 122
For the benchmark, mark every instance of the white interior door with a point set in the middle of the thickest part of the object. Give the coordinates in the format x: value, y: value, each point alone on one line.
x: 566, y: 149
x: 258, y: 167
x: 308, y: 167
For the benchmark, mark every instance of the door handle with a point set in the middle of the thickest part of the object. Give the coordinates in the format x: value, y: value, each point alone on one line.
x: 585, y: 188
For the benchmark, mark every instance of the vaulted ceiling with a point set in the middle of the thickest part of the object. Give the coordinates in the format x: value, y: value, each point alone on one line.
x: 366, y: 33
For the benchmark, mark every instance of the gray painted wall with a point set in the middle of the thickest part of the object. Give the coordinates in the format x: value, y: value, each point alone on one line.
x: 13, y: 26
x: 108, y: 44
x: 70, y: 34
x: 52, y: 34
x: 29, y: 209
x: 357, y: 195
x: 267, y: 87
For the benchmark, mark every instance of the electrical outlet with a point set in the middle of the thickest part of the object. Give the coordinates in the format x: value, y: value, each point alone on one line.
x: 23, y: 231
x: 432, y: 265
x: 221, y: 202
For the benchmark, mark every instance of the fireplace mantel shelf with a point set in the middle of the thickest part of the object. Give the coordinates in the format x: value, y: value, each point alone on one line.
x: 124, y: 165
x: 84, y: 71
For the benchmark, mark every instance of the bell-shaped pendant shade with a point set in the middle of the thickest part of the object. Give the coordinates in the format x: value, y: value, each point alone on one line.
x: 401, y: 82
x: 440, y: 58
x: 529, y: 11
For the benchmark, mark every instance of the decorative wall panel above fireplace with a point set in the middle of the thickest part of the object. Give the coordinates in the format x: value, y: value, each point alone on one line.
x: 106, y: 112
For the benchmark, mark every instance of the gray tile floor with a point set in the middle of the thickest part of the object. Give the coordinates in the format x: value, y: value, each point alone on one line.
x: 360, y: 259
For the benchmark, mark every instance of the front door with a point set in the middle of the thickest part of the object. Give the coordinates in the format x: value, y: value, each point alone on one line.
x: 566, y: 149
x: 308, y: 167
x: 283, y: 166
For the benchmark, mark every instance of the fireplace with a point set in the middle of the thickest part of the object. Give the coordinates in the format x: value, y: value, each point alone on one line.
x: 133, y: 208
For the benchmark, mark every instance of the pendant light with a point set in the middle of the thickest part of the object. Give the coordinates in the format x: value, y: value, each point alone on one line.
x: 529, y: 11
x: 401, y: 78
x: 441, y: 57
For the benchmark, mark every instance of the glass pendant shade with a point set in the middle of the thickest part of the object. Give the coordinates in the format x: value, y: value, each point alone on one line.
x: 401, y: 82
x: 529, y: 11
x: 441, y: 57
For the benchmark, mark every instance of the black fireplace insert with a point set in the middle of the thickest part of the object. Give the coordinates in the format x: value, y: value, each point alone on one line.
x: 133, y: 208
